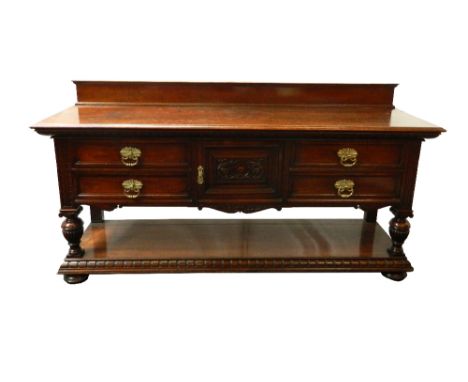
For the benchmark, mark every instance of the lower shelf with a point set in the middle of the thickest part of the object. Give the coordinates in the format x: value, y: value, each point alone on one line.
x: 167, y: 246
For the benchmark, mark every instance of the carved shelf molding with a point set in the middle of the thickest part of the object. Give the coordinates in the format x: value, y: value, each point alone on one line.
x: 217, y: 265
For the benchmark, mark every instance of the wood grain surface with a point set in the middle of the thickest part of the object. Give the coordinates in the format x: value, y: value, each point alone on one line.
x: 237, y: 117
x: 146, y: 106
x: 232, y: 238
x: 134, y: 246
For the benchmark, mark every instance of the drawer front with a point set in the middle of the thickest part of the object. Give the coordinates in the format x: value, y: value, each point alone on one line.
x: 130, y: 153
x: 240, y: 170
x: 347, y: 154
x: 133, y: 189
x: 347, y: 188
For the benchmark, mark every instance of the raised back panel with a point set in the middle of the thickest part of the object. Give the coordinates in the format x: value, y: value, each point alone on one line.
x: 235, y: 93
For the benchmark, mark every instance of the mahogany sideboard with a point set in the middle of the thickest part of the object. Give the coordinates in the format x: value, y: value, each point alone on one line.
x: 235, y: 147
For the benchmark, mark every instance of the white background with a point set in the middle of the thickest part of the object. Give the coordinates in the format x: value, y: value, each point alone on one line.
x: 232, y: 327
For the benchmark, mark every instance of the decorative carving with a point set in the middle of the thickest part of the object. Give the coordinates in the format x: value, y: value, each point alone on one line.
x: 72, y: 229
x: 344, y: 188
x: 132, y: 188
x: 390, y: 265
x: 399, y: 230
x: 130, y: 156
x: 231, y: 209
x: 241, y: 169
x: 348, y: 156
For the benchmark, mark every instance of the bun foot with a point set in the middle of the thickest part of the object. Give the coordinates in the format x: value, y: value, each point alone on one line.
x: 75, y: 279
x: 395, y: 276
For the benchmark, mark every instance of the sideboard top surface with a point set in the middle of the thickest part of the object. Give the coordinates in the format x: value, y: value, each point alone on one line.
x: 103, y: 106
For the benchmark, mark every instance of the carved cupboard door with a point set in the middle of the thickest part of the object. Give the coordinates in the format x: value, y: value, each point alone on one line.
x: 239, y: 172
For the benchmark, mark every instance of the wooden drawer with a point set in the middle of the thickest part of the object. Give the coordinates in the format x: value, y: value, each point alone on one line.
x: 131, y: 153
x: 351, y: 187
x: 240, y: 170
x: 348, y: 154
x: 138, y: 188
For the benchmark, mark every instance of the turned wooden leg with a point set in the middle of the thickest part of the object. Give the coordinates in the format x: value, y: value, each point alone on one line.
x: 370, y: 216
x: 399, y: 231
x: 97, y: 215
x: 72, y: 229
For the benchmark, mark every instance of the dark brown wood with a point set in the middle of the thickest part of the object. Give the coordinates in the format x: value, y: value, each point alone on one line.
x: 199, y: 107
x: 155, y: 152
x: 97, y: 214
x: 321, y: 186
x: 160, y: 246
x: 234, y: 93
x: 399, y: 231
x: 240, y: 169
x: 72, y: 229
x: 372, y: 153
x: 395, y: 276
x: 233, y: 208
x: 190, y: 120
x: 370, y: 215
x: 75, y: 279
x: 237, y: 148
x: 156, y: 188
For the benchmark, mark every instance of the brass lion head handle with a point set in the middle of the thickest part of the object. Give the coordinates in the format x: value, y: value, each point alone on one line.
x: 344, y: 188
x: 130, y: 155
x: 132, y: 188
x: 348, y: 156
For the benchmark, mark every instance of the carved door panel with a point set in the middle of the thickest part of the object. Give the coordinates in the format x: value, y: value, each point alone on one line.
x: 242, y: 172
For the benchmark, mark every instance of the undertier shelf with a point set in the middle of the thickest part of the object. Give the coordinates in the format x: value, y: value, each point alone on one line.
x: 168, y: 246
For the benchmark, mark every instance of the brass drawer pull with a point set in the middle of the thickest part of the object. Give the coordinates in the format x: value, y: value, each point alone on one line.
x: 348, y: 156
x: 344, y: 188
x: 130, y: 155
x: 132, y: 188
x: 200, y: 175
